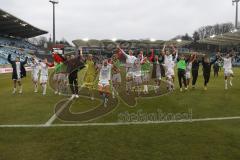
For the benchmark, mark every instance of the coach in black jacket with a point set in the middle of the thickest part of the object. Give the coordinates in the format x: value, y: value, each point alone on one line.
x: 18, y: 72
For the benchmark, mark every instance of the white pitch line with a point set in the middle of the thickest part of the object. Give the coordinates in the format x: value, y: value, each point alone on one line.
x: 118, y: 123
x: 54, y: 117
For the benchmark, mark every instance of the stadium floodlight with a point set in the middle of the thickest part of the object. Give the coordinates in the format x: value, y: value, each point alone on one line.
x: 54, y: 2
x: 234, y: 30
x: 213, y: 36
x: 236, y: 19
x: 23, y: 24
x: 179, y: 40
x: 152, y: 39
x: 86, y: 39
x: 114, y: 39
x: 5, y: 15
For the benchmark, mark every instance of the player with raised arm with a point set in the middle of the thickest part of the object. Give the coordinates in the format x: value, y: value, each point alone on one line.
x: 145, y: 69
x: 58, y: 59
x: 90, y: 75
x: 170, y: 63
x: 189, y: 68
x: 195, y: 70
x: 181, y: 68
x: 156, y: 71
x: 228, y: 72
x: 207, y: 65
x: 130, y: 59
x: 18, y: 73
x: 74, y: 64
x: 35, y: 73
x: 104, y: 81
x: 137, y: 76
x: 63, y: 76
x: 116, y: 74
x: 44, y: 74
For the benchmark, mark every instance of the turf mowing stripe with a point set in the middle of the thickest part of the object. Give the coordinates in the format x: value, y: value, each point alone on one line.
x: 4, y: 78
x: 119, y: 123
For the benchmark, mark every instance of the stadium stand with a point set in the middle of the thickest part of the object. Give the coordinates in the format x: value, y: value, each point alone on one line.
x: 3, y: 61
x: 18, y: 43
x: 13, y: 32
x: 227, y: 39
x: 230, y: 39
x: 5, y: 51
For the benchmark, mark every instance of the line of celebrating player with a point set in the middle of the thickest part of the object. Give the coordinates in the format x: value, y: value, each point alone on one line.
x: 139, y: 70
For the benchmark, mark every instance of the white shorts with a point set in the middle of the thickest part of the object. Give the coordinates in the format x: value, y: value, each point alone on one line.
x: 228, y: 72
x: 103, y: 83
x: 159, y: 76
x: 146, y: 77
x: 138, y: 79
x: 34, y: 77
x: 169, y: 73
x: 188, y: 75
x: 43, y: 79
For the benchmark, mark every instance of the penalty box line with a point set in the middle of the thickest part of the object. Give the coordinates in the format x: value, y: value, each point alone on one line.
x: 119, y: 123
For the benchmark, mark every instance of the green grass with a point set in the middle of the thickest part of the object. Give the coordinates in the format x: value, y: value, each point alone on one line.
x: 28, y: 108
x: 182, y: 141
x: 207, y: 140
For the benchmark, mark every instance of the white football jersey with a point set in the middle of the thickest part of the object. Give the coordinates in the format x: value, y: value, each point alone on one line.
x: 18, y: 69
x: 130, y: 59
x: 189, y: 67
x: 35, y: 68
x: 44, y: 69
x: 168, y: 59
x: 227, y: 63
x: 105, y: 74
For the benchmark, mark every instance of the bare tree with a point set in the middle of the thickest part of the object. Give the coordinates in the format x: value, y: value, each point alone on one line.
x: 217, y: 29
x: 38, y: 41
x: 196, y: 36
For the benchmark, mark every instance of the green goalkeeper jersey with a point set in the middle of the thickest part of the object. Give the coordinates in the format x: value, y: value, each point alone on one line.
x: 182, y: 64
x: 58, y: 68
x: 146, y: 66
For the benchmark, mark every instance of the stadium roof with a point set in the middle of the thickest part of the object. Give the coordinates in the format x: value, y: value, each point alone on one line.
x: 226, y: 39
x: 133, y: 43
x: 15, y: 27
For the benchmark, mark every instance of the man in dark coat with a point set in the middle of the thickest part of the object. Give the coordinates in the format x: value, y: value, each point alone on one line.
x: 74, y: 65
x: 18, y: 73
x: 207, y: 65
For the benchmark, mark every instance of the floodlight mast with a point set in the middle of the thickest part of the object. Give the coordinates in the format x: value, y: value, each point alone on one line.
x: 54, y: 2
x: 236, y: 20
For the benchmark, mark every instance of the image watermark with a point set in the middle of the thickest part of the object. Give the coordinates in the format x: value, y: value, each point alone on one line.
x: 158, y: 116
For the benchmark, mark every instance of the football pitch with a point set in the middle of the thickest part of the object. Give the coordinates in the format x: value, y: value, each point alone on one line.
x: 30, y: 131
